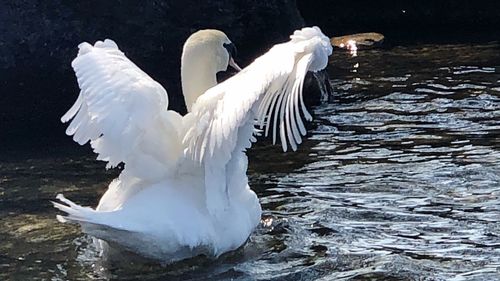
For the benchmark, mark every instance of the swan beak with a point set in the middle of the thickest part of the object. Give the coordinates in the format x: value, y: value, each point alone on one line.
x: 233, y: 64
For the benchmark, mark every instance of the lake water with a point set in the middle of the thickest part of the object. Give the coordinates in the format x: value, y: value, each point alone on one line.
x: 399, y: 179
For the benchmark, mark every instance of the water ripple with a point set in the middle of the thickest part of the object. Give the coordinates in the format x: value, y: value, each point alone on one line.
x: 399, y: 179
x: 407, y: 180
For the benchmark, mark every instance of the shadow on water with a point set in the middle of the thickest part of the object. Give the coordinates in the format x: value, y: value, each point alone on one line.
x: 399, y: 179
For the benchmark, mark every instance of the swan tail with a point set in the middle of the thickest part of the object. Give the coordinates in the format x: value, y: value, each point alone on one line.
x: 95, y: 223
x: 74, y: 212
x: 104, y: 225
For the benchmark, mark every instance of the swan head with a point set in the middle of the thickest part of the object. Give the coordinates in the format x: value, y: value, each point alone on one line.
x: 212, y: 47
x: 205, y: 53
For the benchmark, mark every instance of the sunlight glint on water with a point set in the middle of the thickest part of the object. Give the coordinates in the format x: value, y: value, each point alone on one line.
x: 399, y: 180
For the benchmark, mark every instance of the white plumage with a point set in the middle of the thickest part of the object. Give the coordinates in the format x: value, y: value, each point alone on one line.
x: 184, y: 189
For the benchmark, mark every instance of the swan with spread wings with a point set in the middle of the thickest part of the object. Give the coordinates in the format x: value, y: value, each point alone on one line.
x: 183, y: 190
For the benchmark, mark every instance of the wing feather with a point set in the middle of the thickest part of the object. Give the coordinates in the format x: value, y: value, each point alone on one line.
x: 267, y: 93
x: 121, y: 111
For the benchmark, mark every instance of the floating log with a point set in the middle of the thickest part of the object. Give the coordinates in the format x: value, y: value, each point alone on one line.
x: 361, y: 40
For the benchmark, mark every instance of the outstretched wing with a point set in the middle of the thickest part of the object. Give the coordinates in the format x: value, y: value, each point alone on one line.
x: 268, y: 93
x: 122, y: 112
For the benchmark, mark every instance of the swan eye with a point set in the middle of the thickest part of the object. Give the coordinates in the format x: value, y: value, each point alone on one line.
x: 231, y: 49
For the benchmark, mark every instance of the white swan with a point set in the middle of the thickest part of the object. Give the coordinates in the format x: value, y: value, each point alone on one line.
x: 184, y: 190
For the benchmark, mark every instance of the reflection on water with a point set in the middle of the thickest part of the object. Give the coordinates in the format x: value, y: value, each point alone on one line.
x: 399, y: 180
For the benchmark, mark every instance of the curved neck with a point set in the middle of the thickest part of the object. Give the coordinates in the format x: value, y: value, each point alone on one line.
x: 198, y: 74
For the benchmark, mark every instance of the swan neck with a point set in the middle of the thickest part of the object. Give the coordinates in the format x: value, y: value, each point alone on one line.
x: 197, y: 76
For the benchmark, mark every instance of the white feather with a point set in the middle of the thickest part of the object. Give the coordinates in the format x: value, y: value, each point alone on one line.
x: 267, y: 89
x: 119, y: 110
x: 184, y: 189
x: 271, y: 84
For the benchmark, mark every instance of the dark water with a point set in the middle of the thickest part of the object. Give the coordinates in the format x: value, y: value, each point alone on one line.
x: 399, y: 180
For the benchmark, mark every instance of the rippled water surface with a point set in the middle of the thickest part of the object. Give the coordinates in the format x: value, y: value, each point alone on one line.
x: 398, y: 180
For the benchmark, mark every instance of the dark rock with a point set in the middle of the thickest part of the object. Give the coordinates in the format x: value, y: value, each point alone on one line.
x: 39, y: 39
x: 317, y: 88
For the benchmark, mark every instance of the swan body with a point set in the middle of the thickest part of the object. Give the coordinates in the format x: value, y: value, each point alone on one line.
x: 184, y: 190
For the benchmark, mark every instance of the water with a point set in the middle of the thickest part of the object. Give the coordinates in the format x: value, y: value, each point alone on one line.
x: 399, y: 179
